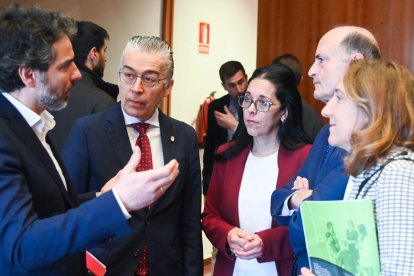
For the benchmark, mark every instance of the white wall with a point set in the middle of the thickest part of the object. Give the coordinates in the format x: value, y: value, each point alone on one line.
x: 121, y: 18
x: 233, y: 36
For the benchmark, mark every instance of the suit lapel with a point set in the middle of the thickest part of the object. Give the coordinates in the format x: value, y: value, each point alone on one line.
x: 70, y: 194
x: 27, y: 136
x: 117, y: 134
x: 168, y: 140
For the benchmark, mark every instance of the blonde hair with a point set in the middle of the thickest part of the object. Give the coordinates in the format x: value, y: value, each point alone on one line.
x: 384, y: 90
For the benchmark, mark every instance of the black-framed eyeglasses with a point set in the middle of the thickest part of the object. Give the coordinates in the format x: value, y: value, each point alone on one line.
x: 148, y: 79
x: 245, y: 101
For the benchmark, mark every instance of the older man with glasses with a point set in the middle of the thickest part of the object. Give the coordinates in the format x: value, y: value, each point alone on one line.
x: 166, y: 238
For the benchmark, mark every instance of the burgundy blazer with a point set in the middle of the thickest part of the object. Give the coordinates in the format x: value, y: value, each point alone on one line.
x: 220, y: 213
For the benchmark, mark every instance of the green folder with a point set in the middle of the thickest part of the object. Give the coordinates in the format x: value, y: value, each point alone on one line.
x: 341, y: 237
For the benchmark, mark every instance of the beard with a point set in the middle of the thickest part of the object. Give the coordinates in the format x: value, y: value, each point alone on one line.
x: 99, y: 68
x: 47, y: 98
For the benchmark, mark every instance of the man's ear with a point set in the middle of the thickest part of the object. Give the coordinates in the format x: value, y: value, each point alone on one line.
x: 93, y: 53
x: 169, y: 88
x: 91, y: 58
x: 357, y: 56
x: 27, y: 75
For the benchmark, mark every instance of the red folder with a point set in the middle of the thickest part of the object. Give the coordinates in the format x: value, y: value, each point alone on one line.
x: 94, y: 265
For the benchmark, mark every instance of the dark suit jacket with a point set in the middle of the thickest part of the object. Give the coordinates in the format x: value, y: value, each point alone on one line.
x: 98, y: 147
x: 215, y: 136
x: 327, y: 180
x: 221, y: 209
x: 40, y: 232
x: 312, y: 122
x: 85, y: 98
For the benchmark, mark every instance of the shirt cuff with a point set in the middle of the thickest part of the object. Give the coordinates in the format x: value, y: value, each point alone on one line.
x: 127, y: 215
x: 285, y: 211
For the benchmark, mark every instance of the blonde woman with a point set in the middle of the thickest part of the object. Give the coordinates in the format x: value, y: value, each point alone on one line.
x: 372, y: 117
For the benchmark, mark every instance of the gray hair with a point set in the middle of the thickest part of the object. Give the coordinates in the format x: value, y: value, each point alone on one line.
x: 357, y: 42
x: 153, y: 45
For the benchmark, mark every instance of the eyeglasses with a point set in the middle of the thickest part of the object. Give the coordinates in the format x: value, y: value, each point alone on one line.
x: 260, y: 105
x: 149, y: 79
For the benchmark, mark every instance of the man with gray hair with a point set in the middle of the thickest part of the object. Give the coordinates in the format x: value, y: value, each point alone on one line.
x: 43, y: 228
x: 322, y: 176
x: 166, y: 238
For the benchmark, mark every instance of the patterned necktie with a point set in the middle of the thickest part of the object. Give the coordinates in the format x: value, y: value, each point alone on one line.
x: 144, y: 144
x: 145, y: 164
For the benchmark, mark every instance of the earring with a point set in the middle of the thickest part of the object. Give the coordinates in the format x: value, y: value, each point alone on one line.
x: 283, y: 118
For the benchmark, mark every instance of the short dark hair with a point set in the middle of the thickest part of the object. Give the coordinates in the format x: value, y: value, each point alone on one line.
x: 293, y: 63
x: 27, y: 35
x: 291, y: 134
x: 228, y: 69
x: 89, y: 35
x: 358, y: 42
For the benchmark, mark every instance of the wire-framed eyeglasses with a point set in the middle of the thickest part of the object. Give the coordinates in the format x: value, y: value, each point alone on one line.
x: 148, y: 79
x: 245, y: 101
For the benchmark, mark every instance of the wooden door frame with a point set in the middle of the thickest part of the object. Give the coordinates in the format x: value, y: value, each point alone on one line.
x: 167, y: 35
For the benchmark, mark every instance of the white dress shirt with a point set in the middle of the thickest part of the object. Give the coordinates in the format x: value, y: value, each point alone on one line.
x: 41, y: 124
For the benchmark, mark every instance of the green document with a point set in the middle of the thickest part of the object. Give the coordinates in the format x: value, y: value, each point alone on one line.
x: 341, y: 237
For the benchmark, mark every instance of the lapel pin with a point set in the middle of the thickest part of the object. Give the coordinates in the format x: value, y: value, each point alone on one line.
x: 172, y: 138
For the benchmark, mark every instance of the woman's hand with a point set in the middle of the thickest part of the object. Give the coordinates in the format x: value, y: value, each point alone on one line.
x: 244, y: 245
x: 237, y: 238
x: 251, y: 250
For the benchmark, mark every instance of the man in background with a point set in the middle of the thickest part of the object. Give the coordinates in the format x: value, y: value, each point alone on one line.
x: 225, y: 117
x: 43, y: 229
x: 312, y: 122
x: 322, y: 176
x: 91, y: 93
x: 166, y: 238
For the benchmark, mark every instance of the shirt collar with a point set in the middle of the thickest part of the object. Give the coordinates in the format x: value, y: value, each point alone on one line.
x: 41, y: 124
x: 153, y: 120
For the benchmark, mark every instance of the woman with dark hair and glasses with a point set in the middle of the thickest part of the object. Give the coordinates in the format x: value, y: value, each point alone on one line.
x: 266, y: 155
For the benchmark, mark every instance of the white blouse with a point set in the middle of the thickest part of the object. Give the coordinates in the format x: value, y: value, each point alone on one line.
x: 258, y: 183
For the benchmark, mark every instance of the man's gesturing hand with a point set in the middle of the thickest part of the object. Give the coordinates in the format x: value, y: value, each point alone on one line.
x: 139, y: 189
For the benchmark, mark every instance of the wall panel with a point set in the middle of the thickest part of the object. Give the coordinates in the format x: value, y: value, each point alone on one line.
x: 295, y: 26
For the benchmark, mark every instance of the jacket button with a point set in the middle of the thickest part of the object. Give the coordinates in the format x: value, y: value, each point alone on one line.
x: 136, y: 253
x: 147, y: 222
